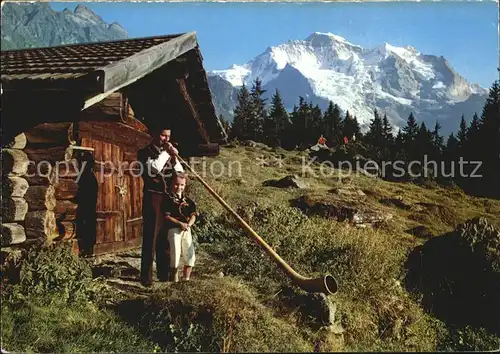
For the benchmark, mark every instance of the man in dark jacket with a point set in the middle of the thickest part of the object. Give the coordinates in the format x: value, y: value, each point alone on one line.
x: 159, y: 162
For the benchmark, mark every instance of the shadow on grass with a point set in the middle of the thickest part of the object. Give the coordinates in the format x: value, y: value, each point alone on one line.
x: 172, y: 324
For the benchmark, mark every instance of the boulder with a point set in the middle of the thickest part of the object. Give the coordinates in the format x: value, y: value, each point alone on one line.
x: 334, y: 210
x: 322, y: 307
x: 370, y: 218
x: 345, y: 192
x: 395, y: 202
x: 317, y: 307
x: 321, y: 154
x: 420, y: 232
x: 458, y: 276
x: 358, y: 214
x: 256, y: 145
x: 287, y: 182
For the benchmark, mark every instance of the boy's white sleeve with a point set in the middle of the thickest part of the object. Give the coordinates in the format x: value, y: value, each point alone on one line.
x: 157, y: 164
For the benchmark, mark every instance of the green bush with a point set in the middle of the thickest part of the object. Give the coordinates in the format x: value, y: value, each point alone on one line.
x: 57, y: 271
x: 58, y: 307
x: 469, y: 339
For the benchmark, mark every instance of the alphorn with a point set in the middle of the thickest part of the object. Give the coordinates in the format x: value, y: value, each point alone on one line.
x: 325, y: 284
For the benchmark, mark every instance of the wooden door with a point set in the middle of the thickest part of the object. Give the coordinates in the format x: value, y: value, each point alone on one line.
x: 108, y: 158
x: 133, y: 198
x: 119, y: 195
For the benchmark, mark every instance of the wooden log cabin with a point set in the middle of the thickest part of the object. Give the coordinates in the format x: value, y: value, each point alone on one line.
x: 85, y: 110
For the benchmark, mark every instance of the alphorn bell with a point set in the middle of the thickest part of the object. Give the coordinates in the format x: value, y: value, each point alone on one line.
x: 325, y: 284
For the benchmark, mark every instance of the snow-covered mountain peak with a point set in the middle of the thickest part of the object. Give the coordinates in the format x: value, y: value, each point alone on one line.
x: 385, y: 50
x: 321, y: 38
x: 411, y: 49
x: 396, y: 80
x: 330, y: 44
x: 318, y: 51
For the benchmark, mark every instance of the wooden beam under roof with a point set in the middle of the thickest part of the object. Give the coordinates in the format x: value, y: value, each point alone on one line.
x: 128, y: 70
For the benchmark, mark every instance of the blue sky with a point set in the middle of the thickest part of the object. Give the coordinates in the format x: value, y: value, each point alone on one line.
x: 466, y: 33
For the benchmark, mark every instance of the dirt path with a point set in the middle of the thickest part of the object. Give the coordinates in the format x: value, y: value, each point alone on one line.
x: 122, y: 271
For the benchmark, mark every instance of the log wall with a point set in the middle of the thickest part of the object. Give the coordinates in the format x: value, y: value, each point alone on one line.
x: 28, y: 200
x: 14, y: 188
x: 39, y: 200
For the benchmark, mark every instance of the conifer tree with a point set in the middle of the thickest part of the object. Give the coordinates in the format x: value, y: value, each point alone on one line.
x: 452, y: 142
x: 304, y: 117
x: 473, y: 139
x: 278, y: 119
x: 258, y: 111
x: 474, y: 127
x: 375, y: 135
x: 411, y: 129
x: 424, y: 140
x: 354, y: 128
x: 489, y: 133
x: 317, y: 124
x: 437, y: 139
x: 462, y: 133
x: 333, y: 124
x: 490, y: 120
x: 399, y: 146
x: 451, y: 153
x: 410, y: 132
x: 300, y: 122
x: 290, y: 138
x: 242, y: 115
x: 347, y: 123
x: 462, y: 152
x: 387, y: 132
x: 437, y: 142
x: 452, y: 147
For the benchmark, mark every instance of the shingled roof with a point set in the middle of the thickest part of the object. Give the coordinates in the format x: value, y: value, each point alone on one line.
x: 99, y: 69
x: 99, y: 63
x: 70, y: 61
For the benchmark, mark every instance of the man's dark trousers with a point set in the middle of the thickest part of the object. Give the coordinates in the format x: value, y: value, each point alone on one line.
x: 152, y: 241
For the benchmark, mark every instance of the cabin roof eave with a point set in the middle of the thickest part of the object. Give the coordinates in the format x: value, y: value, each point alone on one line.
x: 102, y: 78
x: 65, y: 70
x: 128, y: 70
